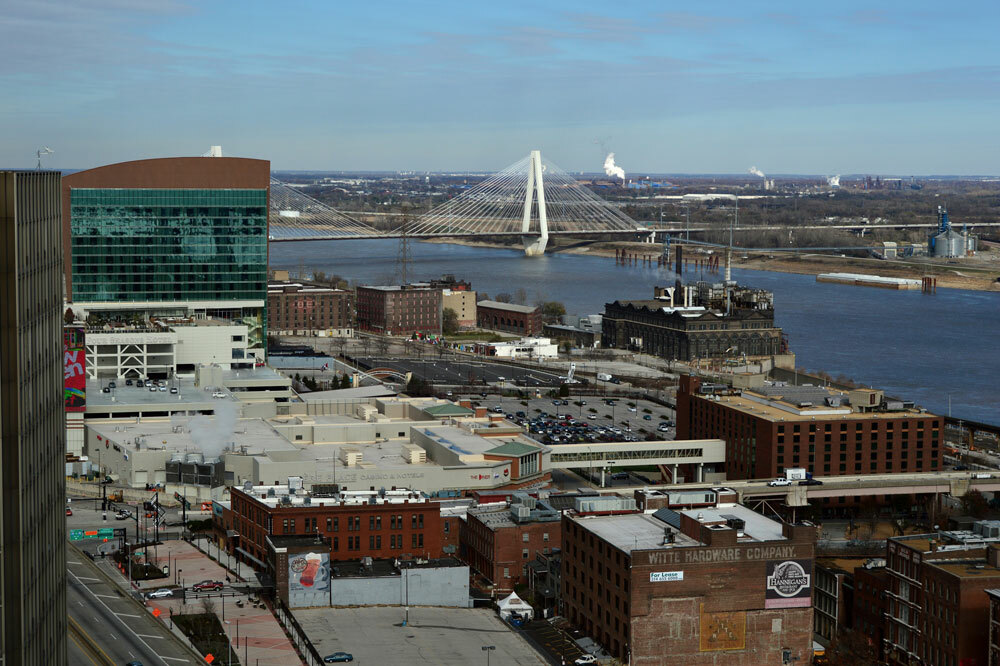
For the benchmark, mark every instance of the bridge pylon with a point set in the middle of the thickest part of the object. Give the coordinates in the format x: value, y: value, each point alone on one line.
x: 534, y: 246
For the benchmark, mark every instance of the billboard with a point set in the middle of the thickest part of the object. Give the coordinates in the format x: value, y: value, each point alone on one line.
x: 308, y: 579
x: 789, y: 584
x: 74, y: 369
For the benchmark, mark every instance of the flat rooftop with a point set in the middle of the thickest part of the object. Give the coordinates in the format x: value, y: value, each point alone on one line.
x: 358, y: 569
x: 642, y: 531
x: 467, y: 443
x: 973, y: 568
x: 122, y: 396
x: 277, y: 496
x: 510, y: 307
x: 210, y: 435
x: 773, y: 408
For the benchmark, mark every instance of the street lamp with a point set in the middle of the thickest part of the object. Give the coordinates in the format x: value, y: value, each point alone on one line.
x: 487, y: 649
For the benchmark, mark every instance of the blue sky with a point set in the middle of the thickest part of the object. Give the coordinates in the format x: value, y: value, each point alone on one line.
x: 711, y: 87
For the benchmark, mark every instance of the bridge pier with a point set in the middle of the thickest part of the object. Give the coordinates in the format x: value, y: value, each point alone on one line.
x: 534, y: 246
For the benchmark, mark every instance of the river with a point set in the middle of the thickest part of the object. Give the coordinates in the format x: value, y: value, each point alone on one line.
x: 920, y: 347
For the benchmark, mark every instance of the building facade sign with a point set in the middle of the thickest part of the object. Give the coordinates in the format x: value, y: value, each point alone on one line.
x: 665, y: 576
x: 74, y: 369
x: 308, y: 579
x: 709, y: 555
x: 789, y: 584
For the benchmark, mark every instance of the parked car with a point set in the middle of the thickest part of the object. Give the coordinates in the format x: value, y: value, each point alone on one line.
x: 780, y: 481
x: 207, y: 585
x: 338, y: 657
x: 810, y: 482
x: 586, y: 659
x: 647, y: 417
x: 163, y: 592
x: 69, y: 511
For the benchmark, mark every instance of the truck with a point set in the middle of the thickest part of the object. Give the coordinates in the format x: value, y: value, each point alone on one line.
x: 797, y: 474
x: 603, y: 377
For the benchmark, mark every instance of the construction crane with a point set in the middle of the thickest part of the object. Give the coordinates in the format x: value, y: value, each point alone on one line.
x: 44, y: 150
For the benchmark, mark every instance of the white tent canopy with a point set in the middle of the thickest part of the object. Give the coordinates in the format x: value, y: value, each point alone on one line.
x: 514, y: 604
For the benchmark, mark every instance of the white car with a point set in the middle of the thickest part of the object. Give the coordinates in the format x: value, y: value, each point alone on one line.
x: 586, y: 659
x: 780, y: 481
x: 159, y: 594
x: 218, y: 394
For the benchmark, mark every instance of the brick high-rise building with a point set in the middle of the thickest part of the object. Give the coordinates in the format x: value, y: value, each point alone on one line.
x: 693, y: 587
x: 871, y: 604
x: 938, y: 607
x: 32, y: 421
x: 378, y: 524
x: 294, y: 308
x: 828, y: 432
x: 399, y: 310
x: 500, y: 541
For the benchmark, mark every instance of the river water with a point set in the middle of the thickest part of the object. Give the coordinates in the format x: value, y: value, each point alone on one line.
x: 915, y: 346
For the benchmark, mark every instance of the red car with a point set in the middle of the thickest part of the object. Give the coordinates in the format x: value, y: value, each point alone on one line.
x: 207, y: 585
x: 69, y: 511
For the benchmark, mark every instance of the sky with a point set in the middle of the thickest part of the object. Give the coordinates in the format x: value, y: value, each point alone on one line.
x: 891, y: 88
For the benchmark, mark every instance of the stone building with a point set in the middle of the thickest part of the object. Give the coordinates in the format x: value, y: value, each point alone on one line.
x: 695, y: 322
x: 399, y: 310
x: 509, y: 318
x: 295, y: 308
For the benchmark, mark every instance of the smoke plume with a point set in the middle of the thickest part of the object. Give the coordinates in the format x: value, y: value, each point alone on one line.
x: 213, y: 434
x: 613, y: 169
x: 757, y: 172
x: 833, y: 181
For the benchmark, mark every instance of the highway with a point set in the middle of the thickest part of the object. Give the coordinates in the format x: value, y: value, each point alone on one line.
x: 107, y: 627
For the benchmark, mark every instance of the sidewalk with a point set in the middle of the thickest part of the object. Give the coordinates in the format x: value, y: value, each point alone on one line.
x: 261, y: 640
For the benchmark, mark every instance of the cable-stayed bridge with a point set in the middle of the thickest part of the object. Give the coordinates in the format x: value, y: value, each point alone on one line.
x: 531, y: 198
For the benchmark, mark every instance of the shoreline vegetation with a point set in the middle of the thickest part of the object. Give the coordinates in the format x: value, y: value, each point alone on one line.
x: 956, y: 276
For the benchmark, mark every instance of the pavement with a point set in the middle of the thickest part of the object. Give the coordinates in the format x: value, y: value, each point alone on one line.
x: 253, y: 630
x: 434, y: 636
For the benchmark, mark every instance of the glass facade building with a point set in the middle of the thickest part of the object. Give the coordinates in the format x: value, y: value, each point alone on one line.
x: 168, y: 245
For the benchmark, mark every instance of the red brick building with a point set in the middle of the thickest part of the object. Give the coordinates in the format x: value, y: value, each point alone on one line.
x: 705, y: 586
x: 828, y: 432
x: 389, y: 525
x: 509, y: 318
x: 295, y: 308
x: 399, y: 310
x: 500, y: 541
x: 871, y: 604
x: 939, y: 611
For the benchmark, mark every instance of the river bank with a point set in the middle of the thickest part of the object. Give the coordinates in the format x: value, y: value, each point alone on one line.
x: 982, y: 277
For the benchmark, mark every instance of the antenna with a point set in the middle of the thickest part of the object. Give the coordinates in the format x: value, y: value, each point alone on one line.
x: 44, y: 150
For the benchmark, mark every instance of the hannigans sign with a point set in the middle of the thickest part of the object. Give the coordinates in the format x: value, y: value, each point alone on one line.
x: 789, y: 584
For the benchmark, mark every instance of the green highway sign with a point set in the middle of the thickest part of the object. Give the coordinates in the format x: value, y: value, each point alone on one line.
x: 103, y: 533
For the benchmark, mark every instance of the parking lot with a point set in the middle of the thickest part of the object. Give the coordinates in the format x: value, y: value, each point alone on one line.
x: 439, y: 636
x: 584, y: 417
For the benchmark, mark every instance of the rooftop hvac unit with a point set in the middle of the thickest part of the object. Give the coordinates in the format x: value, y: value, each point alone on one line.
x: 247, y: 486
x: 294, y: 483
x: 307, y: 501
x: 285, y: 499
x: 270, y: 492
x: 668, y: 536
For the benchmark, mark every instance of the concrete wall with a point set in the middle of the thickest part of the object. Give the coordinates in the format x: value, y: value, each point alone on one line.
x: 210, y: 344
x: 445, y: 586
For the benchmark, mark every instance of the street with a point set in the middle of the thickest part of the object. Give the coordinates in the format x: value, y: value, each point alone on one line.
x: 120, y: 626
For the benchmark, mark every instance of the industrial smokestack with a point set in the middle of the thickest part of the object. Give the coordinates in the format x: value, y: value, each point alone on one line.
x: 757, y: 172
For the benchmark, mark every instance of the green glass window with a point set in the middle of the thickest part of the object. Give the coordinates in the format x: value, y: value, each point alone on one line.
x: 156, y: 245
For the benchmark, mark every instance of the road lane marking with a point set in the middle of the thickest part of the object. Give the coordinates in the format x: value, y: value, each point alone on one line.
x: 126, y: 615
x: 87, y: 578
x: 175, y: 659
x: 150, y: 636
x: 106, y: 596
